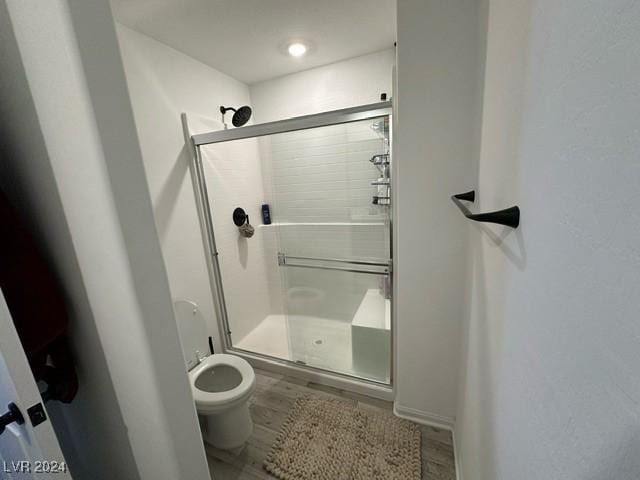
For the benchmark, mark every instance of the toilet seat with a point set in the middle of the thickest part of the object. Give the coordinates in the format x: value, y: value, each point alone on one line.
x: 212, y: 402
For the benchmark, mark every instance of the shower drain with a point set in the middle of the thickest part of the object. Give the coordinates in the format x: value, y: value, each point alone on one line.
x: 318, y: 342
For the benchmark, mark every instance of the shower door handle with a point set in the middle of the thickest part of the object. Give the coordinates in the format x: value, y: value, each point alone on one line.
x: 13, y: 415
x: 383, y: 268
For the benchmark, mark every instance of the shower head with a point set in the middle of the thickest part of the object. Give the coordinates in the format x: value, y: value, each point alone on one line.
x: 240, y: 115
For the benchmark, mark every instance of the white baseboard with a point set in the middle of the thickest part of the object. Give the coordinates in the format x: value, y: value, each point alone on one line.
x: 423, y: 418
x: 433, y: 420
x: 457, y: 455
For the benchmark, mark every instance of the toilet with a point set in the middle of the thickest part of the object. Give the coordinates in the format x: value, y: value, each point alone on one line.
x: 221, y: 384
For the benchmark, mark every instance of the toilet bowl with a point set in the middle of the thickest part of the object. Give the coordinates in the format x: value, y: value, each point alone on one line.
x: 221, y: 384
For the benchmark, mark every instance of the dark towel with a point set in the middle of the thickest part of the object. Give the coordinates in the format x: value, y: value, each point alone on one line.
x: 36, y: 305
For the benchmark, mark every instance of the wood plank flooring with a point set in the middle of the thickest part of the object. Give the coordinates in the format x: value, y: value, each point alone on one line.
x: 270, y: 407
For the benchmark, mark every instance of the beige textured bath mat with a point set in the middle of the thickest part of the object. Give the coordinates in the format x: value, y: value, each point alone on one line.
x: 326, y: 439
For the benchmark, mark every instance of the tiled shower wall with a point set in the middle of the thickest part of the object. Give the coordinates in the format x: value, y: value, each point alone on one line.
x: 323, y: 174
x: 318, y: 183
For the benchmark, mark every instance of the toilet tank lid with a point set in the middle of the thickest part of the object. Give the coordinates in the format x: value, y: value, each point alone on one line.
x: 192, y: 330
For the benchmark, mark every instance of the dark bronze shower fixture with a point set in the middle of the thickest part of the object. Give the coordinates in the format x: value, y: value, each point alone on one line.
x: 240, y: 115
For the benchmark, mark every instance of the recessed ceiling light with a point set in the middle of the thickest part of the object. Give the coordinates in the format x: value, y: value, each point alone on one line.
x: 297, y: 49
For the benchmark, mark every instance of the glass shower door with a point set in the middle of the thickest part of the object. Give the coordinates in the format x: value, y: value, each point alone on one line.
x: 311, y: 286
x: 328, y: 189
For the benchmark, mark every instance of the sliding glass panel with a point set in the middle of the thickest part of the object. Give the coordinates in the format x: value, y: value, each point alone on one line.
x: 248, y: 266
x: 324, y: 182
x: 338, y: 321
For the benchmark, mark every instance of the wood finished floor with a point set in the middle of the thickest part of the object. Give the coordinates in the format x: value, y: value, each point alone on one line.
x: 270, y: 406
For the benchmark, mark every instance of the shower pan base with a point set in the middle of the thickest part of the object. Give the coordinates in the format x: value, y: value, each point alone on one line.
x: 289, y: 369
x: 319, y: 342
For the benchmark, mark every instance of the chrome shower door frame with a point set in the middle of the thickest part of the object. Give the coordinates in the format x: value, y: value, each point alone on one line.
x: 195, y: 142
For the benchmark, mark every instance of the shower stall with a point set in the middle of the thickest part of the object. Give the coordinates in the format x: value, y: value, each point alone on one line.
x: 312, y: 286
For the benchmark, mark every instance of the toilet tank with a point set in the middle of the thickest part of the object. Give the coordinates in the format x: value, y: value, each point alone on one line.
x: 192, y: 330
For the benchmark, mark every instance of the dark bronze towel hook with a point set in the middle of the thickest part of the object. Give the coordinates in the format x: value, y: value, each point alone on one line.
x: 509, y: 216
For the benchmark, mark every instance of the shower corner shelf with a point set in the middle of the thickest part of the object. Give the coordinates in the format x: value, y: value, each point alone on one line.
x: 509, y: 216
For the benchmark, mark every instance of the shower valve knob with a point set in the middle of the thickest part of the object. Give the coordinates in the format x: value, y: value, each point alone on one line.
x: 240, y: 217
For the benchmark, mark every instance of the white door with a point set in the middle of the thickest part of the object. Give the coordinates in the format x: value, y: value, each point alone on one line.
x: 29, y: 450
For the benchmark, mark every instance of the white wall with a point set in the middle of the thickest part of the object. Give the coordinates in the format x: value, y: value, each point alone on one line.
x: 357, y: 81
x: 435, y: 145
x: 164, y: 83
x: 552, y: 384
x: 75, y: 157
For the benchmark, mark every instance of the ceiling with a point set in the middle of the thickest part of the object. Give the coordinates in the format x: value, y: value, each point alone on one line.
x: 247, y: 39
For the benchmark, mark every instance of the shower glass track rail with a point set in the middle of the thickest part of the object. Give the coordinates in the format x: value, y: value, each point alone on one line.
x: 335, y: 117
